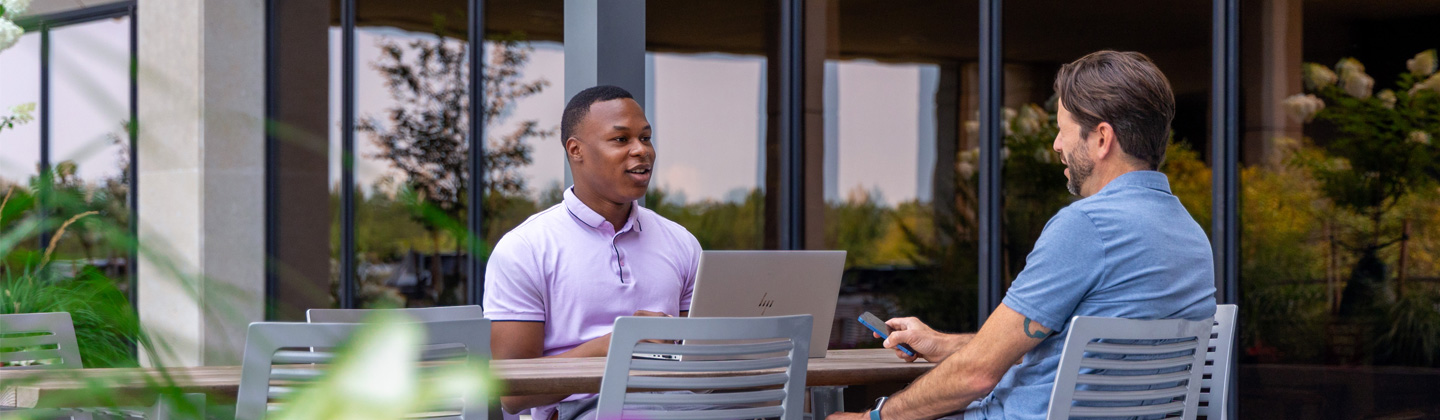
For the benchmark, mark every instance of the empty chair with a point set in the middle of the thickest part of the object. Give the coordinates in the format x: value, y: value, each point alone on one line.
x: 269, y: 345
x: 46, y: 340
x: 38, y: 341
x: 764, y: 360
x: 439, y: 313
x: 1114, y: 367
x: 1215, y: 391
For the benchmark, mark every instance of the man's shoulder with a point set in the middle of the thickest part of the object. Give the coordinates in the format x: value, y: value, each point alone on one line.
x: 535, y: 227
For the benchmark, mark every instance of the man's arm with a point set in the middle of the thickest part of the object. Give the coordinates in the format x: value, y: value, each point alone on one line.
x: 526, y: 340
x: 971, y: 372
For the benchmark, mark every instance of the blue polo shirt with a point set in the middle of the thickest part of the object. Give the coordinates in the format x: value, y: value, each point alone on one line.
x: 1129, y: 251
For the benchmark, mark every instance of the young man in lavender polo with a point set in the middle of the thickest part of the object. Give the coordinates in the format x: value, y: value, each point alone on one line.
x: 555, y: 284
x: 1127, y: 249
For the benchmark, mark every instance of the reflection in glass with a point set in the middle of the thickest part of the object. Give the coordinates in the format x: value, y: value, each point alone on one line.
x: 89, y: 141
x: 412, y: 146
x: 708, y: 110
x: 1339, y: 210
x: 899, y: 196
x: 20, y: 68
x: 411, y: 156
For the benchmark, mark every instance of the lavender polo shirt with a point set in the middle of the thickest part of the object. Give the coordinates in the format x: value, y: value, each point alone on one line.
x: 571, y: 269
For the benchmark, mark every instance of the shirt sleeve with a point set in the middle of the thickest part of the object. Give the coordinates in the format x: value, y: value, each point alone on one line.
x: 687, y: 290
x: 1066, y: 265
x: 514, y: 282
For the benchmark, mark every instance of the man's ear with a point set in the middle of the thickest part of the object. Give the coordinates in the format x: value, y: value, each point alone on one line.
x: 1105, y: 143
x: 572, y: 150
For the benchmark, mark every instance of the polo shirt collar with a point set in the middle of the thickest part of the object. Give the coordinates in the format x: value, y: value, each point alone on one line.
x: 1154, y: 180
x: 590, y: 218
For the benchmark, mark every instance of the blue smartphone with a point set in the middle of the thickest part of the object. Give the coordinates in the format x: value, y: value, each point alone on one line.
x: 874, y: 323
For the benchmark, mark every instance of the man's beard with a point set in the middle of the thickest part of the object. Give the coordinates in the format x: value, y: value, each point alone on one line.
x: 1080, y: 168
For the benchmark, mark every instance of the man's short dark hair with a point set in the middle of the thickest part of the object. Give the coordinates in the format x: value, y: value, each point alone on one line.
x: 1126, y: 90
x: 579, y: 106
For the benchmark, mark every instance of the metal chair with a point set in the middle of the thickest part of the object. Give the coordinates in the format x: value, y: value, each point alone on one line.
x: 750, y: 382
x: 269, y: 344
x: 41, y: 340
x: 1129, y: 367
x: 1215, y: 387
x: 439, y: 313
x: 435, y: 314
x: 46, y: 340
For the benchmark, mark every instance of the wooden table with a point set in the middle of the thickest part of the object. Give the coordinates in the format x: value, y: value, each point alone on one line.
x: 137, y: 386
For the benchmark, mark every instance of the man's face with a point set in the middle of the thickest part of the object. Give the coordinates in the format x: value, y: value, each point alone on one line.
x: 1074, y: 150
x: 616, y: 157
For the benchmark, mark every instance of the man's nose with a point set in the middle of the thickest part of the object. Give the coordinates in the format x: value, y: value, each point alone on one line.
x: 641, y: 149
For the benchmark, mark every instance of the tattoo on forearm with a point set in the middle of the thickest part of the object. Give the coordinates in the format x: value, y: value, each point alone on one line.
x: 1034, y: 334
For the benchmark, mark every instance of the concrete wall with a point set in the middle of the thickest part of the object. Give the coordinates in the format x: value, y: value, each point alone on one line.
x: 201, y: 173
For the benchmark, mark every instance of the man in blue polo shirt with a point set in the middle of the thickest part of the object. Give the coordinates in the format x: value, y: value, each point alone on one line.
x: 1127, y: 249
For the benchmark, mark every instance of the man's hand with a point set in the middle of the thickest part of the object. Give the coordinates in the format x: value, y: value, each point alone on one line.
x: 643, y: 312
x: 849, y: 416
x: 927, y: 343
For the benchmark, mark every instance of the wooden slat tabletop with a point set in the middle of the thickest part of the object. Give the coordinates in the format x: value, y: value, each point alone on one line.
x: 136, y: 386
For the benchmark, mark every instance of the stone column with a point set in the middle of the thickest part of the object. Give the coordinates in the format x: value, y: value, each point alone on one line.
x: 201, y: 176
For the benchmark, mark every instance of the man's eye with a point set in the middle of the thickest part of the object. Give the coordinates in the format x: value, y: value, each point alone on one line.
x: 619, y: 139
x: 645, y: 139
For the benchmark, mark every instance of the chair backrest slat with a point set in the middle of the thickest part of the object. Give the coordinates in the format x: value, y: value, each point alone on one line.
x: 1089, y: 379
x: 1214, y: 392
x: 746, y: 356
x: 1167, y: 363
x: 438, y: 313
x: 747, y: 397
x: 727, y: 414
x: 714, y: 349
x: 264, y: 351
x: 44, y: 341
x: 1146, y: 410
x: 710, y: 366
x: 1130, y: 368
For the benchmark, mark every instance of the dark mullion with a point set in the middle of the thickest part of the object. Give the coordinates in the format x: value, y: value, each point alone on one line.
x: 1225, y: 102
x: 43, y: 168
x: 1225, y: 184
x: 991, y: 81
x: 791, y: 129
x: 476, y: 216
x: 347, y: 155
x: 272, y: 163
x: 132, y: 262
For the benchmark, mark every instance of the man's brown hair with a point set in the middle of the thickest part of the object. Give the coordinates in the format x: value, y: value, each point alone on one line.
x: 1126, y: 90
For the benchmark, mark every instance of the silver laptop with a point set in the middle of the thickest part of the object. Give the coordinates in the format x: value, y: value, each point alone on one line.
x: 771, y: 283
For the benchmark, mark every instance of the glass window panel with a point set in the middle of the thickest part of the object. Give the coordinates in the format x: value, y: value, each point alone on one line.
x: 1177, y: 39
x: 410, y: 153
x: 898, y: 85
x: 1339, y: 269
x: 706, y: 81
x: 20, y: 67
x: 89, y: 143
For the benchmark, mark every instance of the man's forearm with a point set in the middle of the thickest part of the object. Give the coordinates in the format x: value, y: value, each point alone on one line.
x: 593, y: 348
x: 946, y: 389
